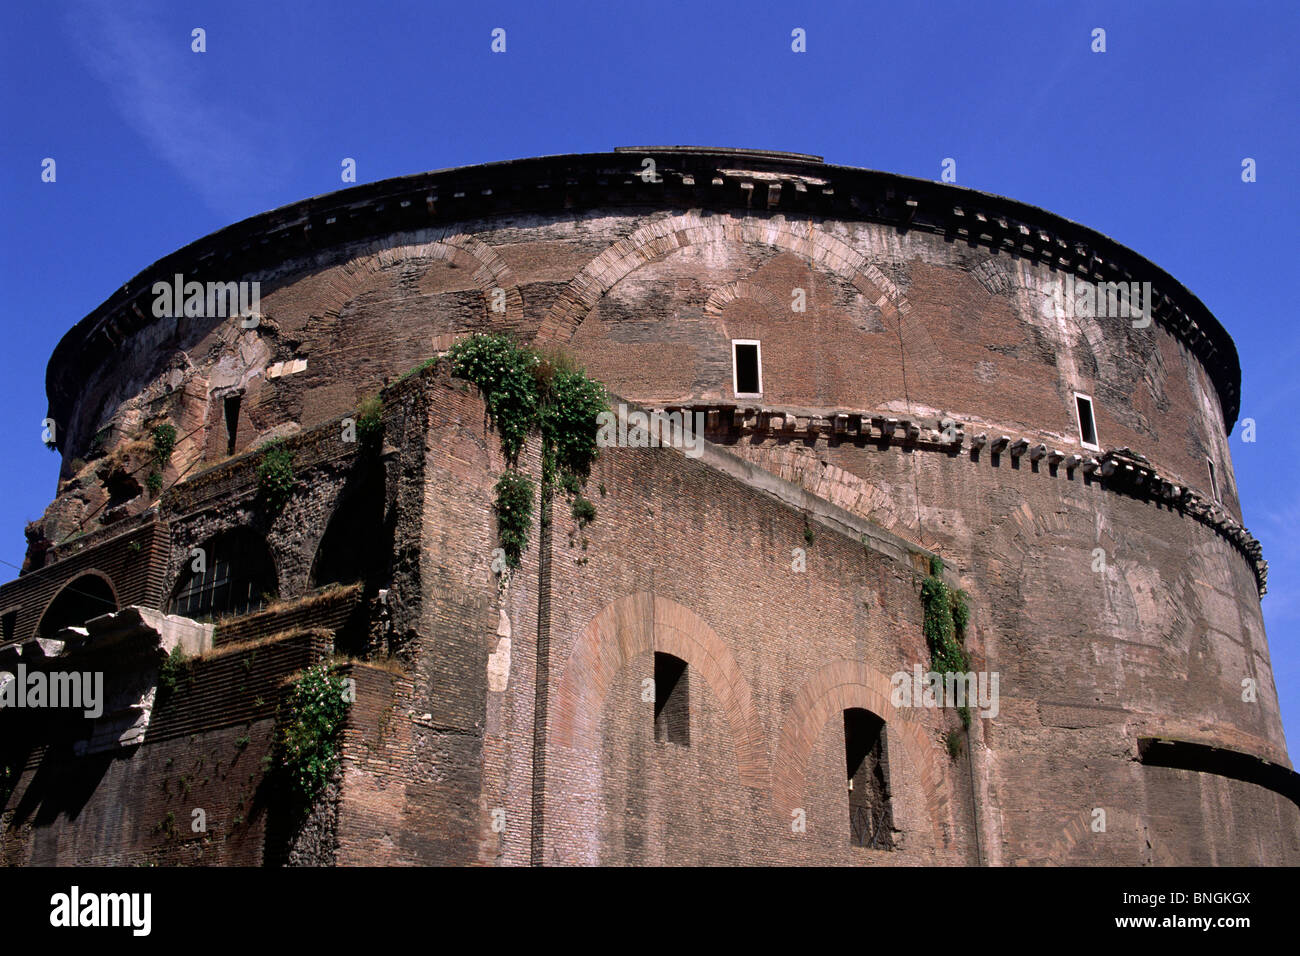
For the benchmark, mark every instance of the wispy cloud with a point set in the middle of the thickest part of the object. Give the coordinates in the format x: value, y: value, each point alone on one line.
x: 217, y: 148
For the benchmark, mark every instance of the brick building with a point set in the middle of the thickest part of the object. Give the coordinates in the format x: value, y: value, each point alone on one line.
x: 887, y: 370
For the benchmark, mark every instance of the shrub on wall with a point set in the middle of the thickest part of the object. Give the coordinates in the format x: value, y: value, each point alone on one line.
x: 504, y: 373
x: 525, y: 391
x: 584, y: 512
x: 275, y: 476
x: 164, y: 440
x: 306, y: 750
x: 944, y: 625
x: 514, y: 508
x: 370, y: 419
x: 173, y: 668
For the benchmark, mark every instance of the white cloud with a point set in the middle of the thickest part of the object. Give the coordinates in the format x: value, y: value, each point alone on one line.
x: 153, y: 79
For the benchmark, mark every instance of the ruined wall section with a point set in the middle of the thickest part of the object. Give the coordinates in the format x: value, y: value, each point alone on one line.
x: 696, y: 558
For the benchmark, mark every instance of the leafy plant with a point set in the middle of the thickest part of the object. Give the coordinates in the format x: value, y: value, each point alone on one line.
x: 946, y: 615
x: 370, y: 419
x: 275, y: 478
x: 307, y: 746
x: 514, y: 508
x: 954, y: 741
x: 173, y: 668
x: 167, y: 826
x: 416, y: 370
x: 504, y: 373
x: 584, y: 512
x: 164, y: 440
x: 526, y: 391
x: 569, y: 407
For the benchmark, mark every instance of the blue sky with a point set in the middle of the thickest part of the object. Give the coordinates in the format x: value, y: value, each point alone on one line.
x: 156, y: 146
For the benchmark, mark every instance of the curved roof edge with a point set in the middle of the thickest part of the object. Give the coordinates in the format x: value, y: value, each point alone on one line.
x: 701, y: 177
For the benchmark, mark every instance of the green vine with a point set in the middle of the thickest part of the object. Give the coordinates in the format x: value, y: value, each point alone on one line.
x: 527, y: 391
x: 306, y: 750
x: 275, y: 476
x: 946, y: 616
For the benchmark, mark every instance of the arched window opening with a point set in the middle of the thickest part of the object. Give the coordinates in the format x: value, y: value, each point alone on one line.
x: 232, y: 574
x: 80, y: 600
x: 871, y: 819
x: 354, y: 546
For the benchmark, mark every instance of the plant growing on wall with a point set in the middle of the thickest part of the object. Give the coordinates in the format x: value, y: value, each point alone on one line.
x: 306, y: 749
x: 526, y: 391
x: 514, y: 508
x: 370, y: 419
x: 944, y: 625
x: 584, y: 512
x: 275, y: 476
x: 164, y: 440
x: 173, y: 669
x: 954, y: 742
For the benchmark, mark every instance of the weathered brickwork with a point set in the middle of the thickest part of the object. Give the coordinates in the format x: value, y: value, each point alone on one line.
x: 918, y: 398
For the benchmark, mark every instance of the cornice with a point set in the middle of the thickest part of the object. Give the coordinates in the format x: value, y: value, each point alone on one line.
x: 791, y: 184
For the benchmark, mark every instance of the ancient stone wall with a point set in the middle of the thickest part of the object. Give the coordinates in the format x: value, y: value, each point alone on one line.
x: 918, y: 396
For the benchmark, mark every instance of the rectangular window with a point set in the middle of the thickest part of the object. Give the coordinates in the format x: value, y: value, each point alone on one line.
x: 232, y: 422
x: 1214, y: 481
x: 672, y: 700
x: 746, y: 367
x: 871, y: 820
x: 1087, y: 426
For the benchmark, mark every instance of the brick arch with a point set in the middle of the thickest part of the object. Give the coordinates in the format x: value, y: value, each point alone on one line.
x: 645, y: 622
x: 1118, y: 820
x: 70, y: 587
x: 830, y: 690
x: 254, y: 544
x: 740, y: 289
x: 659, y: 238
x: 349, y: 279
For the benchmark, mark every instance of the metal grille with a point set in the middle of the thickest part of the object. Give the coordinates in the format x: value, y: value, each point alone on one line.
x: 236, y: 574
x: 870, y: 827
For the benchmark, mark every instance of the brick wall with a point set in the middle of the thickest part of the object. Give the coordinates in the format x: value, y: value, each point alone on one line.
x: 203, y: 750
x: 131, y: 560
